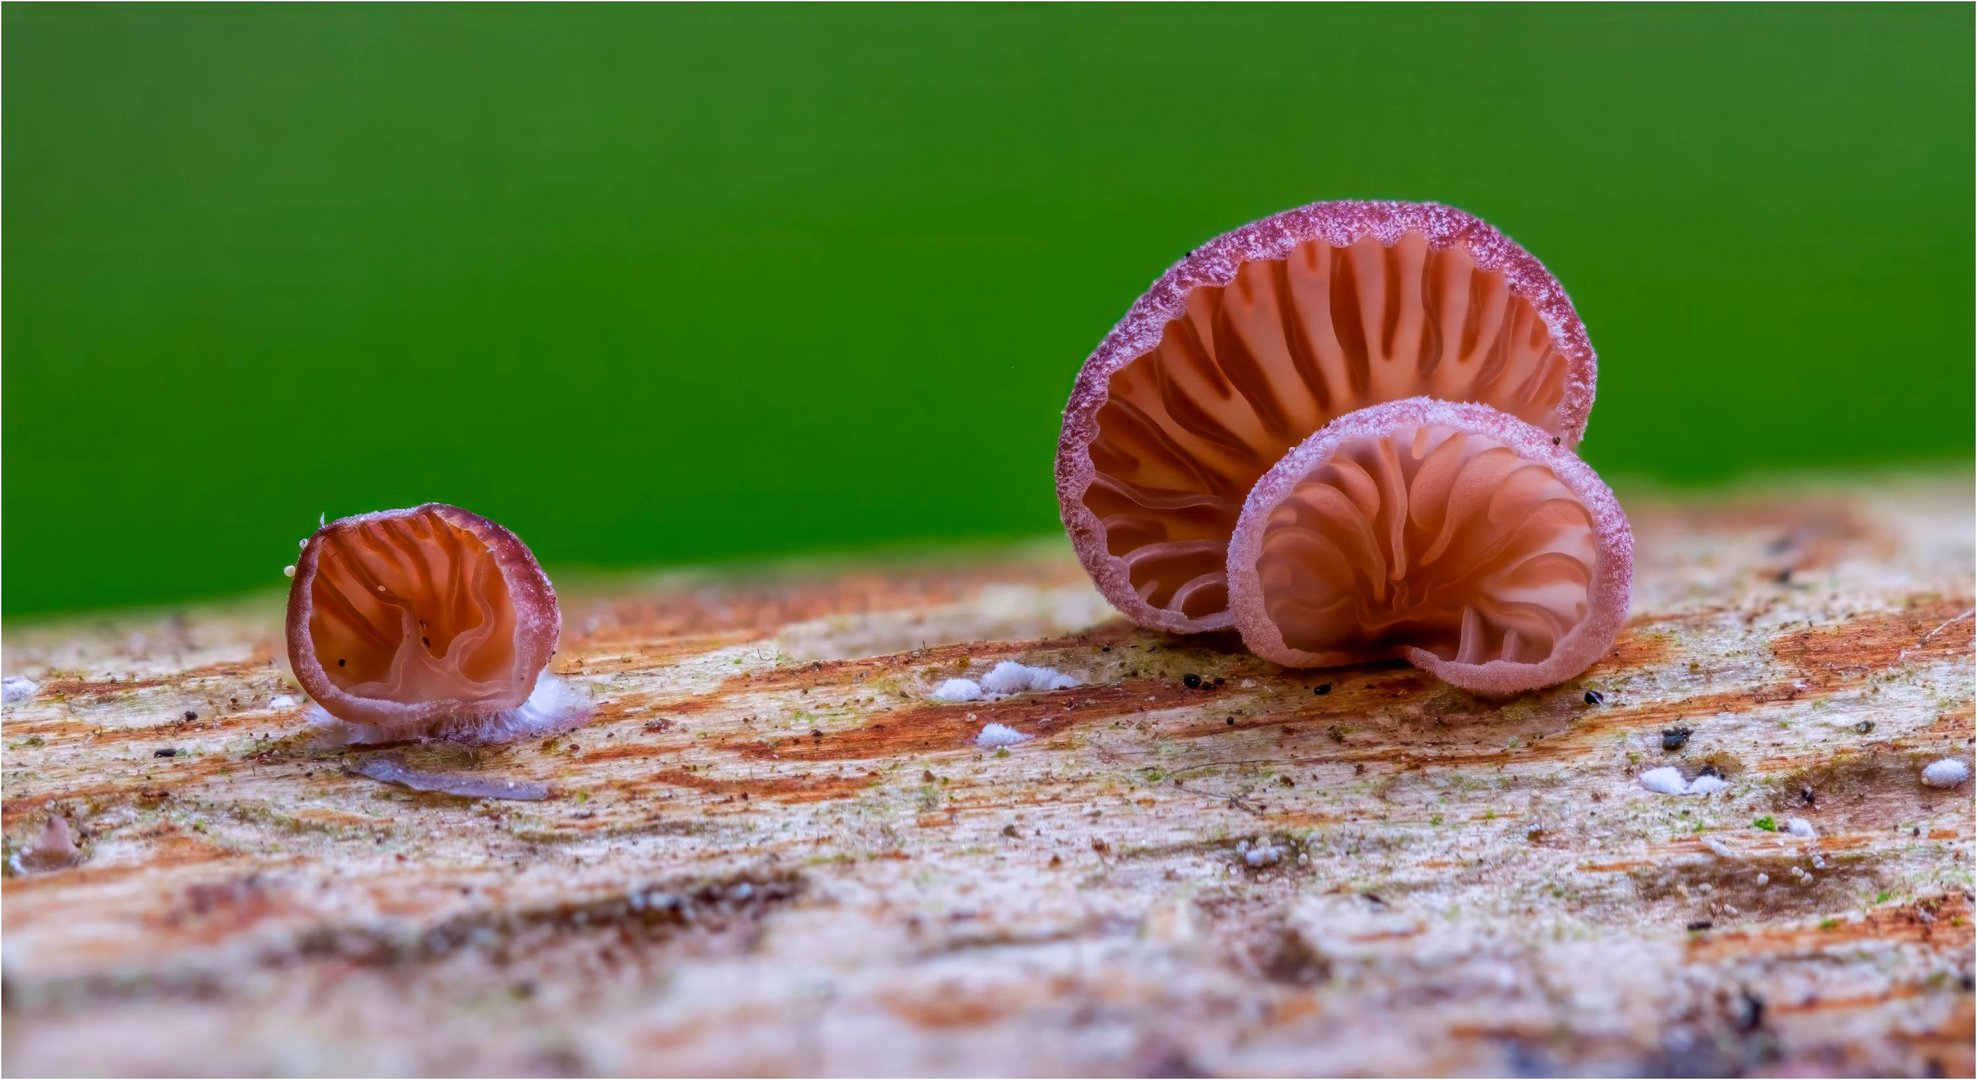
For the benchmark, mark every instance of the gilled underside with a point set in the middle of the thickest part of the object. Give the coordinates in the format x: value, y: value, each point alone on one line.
x: 414, y: 609
x: 1433, y: 538
x: 1288, y: 346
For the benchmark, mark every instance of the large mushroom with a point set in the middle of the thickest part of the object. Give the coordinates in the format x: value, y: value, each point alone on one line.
x: 1264, y: 335
x: 1452, y: 535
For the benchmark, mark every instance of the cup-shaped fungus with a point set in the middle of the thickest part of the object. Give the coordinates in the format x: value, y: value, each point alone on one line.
x: 431, y: 621
x: 1452, y: 535
x: 1266, y: 334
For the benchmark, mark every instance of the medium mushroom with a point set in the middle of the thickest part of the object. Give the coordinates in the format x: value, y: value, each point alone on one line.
x: 1266, y: 334
x: 1452, y: 535
x: 426, y: 622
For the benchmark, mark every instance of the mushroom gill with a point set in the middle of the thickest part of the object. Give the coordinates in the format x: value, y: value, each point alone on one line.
x: 1451, y: 535
x: 406, y: 618
x: 1266, y: 335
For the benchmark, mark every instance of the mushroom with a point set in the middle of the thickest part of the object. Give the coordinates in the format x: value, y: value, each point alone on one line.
x: 1266, y: 334
x: 430, y: 621
x: 1452, y: 535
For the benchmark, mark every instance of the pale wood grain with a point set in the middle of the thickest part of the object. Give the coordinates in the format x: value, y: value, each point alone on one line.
x: 771, y: 853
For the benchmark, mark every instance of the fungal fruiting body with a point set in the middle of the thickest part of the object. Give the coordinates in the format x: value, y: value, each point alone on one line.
x: 427, y: 622
x: 1451, y: 535
x: 1262, y: 337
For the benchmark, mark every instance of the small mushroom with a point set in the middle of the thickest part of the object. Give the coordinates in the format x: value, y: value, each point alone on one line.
x: 1263, y: 336
x: 1450, y: 535
x: 431, y: 621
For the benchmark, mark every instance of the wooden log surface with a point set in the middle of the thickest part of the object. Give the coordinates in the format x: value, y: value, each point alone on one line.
x: 772, y: 852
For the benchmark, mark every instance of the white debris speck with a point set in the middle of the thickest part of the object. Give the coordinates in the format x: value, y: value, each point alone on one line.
x: 1764, y: 879
x: 1707, y: 785
x: 958, y: 690
x: 996, y: 736
x: 1666, y: 780
x: 17, y: 688
x: 1800, y: 827
x: 288, y: 571
x: 1718, y: 846
x: 282, y: 701
x: 1010, y: 677
x: 1945, y: 772
x: 1263, y: 855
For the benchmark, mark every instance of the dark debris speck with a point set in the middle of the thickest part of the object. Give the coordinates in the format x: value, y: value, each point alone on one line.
x: 1594, y: 697
x: 165, y: 751
x: 1675, y: 738
x: 1700, y: 924
x: 1322, y: 689
x: 1191, y: 681
x: 1753, y: 1013
x: 1864, y: 726
x: 190, y: 716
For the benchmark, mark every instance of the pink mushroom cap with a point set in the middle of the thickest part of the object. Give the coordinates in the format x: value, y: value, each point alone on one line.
x: 1261, y: 337
x: 1463, y: 540
x: 406, y: 620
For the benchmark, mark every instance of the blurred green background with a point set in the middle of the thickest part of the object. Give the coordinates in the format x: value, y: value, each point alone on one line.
x: 681, y: 284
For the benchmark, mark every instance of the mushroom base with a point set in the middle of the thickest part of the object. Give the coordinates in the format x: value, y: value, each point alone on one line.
x: 553, y: 707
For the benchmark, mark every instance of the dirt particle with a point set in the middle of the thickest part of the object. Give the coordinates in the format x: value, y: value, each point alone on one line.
x: 1675, y: 738
x: 1594, y: 697
x: 1191, y: 681
x: 1751, y: 1014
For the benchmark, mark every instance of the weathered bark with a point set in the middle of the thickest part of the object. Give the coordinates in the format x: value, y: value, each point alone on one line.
x: 772, y: 852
